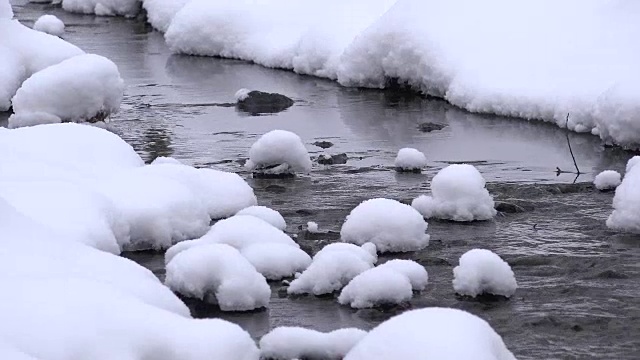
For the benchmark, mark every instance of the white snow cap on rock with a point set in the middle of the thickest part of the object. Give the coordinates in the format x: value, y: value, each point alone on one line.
x: 458, y: 193
x: 49, y: 24
x: 312, y: 227
x: 409, y: 159
x: 279, y: 147
x: 432, y: 333
x: 267, y: 214
x: 242, y: 94
x: 480, y: 272
x: 607, y: 180
x: 128, y: 8
x: 626, y: 202
x: 390, y: 225
x: 286, y: 343
x: 218, y: 273
x: 333, y: 267
x: 77, y: 89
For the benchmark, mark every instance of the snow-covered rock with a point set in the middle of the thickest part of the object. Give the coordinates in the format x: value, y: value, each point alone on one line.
x: 312, y: 227
x: 242, y: 94
x: 626, y: 202
x: 277, y: 152
x: 332, y: 268
x: 607, y: 180
x: 267, y: 214
x: 286, y: 343
x: 480, y: 272
x: 219, y: 274
x: 390, y: 283
x: 128, y: 8
x: 432, y: 333
x: 161, y: 12
x: 389, y: 224
x: 275, y: 260
x: 81, y: 88
x: 409, y: 159
x: 458, y: 193
x: 5, y: 10
x: 49, y: 24
x: 12, y: 73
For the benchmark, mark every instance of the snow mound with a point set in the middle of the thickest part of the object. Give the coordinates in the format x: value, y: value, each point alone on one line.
x: 160, y: 160
x: 49, y: 24
x: 312, y: 227
x: 480, y: 272
x: 12, y: 73
x: 626, y: 202
x: 332, y: 268
x: 5, y: 10
x: 161, y: 12
x: 269, y: 215
x: 432, y: 333
x: 458, y: 193
x: 409, y: 159
x: 390, y: 283
x: 128, y: 8
x: 389, y: 224
x: 607, y: 180
x: 279, y: 147
x: 218, y: 273
x: 275, y: 260
x: 285, y: 343
x: 82, y: 88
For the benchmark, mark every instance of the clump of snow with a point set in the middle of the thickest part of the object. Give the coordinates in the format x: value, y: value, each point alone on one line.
x: 409, y: 159
x: 286, y: 343
x: 332, y: 268
x: 607, y: 180
x: 5, y: 10
x: 312, y: 227
x: 389, y: 224
x: 242, y: 94
x: 165, y: 160
x: 128, y: 8
x: 49, y: 24
x: 161, y: 12
x: 12, y: 73
x: 432, y: 333
x: 279, y: 151
x: 626, y: 202
x: 458, y: 193
x: 269, y: 215
x: 77, y: 89
x: 480, y: 272
x: 390, y: 283
x: 218, y: 273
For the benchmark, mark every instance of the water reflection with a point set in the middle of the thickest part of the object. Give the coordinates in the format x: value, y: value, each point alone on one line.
x: 156, y: 143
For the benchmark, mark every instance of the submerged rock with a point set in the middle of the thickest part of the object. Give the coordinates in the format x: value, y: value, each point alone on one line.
x: 323, y: 144
x: 258, y: 102
x: 337, y: 159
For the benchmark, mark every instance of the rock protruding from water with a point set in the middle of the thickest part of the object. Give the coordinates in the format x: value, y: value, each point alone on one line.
x: 323, y: 144
x: 429, y: 127
x: 258, y: 102
x: 337, y: 159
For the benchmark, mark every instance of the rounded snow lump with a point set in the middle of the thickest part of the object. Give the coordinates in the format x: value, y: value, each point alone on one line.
x: 410, y: 160
x: 299, y: 343
x: 391, y: 225
x: 267, y: 214
x: 432, y: 333
x: 49, y: 24
x: 607, y: 180
x: 626, y: 202
x: 279, y: 152
x: 458, y: 193
x: 483, y: 272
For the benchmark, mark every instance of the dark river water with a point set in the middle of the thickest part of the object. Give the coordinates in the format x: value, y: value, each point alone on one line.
x: 579, y: 284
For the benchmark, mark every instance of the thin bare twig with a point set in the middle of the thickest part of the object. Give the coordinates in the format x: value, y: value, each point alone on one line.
x: 571, y: 150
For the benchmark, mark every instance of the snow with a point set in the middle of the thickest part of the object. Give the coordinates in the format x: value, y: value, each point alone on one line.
x: 76, y: 89
x: 279, y: 147
x: 269, y: 215
x: 626, y: 202
x: 592, y: 76
x: 275, y: 260
x: 312, y: 227
x: 390, y: 283
x: 12, y: 73
x: 432, y: 333
x: 332, y: 268
x: 409, y: 159
x: 607, y: 180
x: 389, y: 224
x: 128, y: 8
x: 458, y: 193
x: 480, y: 272
x: 160, y: 160
x: 285, y: 343
x: 242, y: 94
x: 218, y: 273
x: 49, y: 24
x: 161, y: 12
x: 5, y: 10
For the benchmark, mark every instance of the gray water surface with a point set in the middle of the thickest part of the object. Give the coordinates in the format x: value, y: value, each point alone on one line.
x: 579, y: 288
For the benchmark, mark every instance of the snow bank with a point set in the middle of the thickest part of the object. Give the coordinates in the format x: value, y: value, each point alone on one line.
x: 81, y: 88
x: 128, y: 8
x: 389, y: 224
x: 432, y: 333
x: 218, y: 273
x: 49, y: 24
x: 332, y: 268
x: 483, y: 272
x: 5, y: 10
x: 626, y: 202
x: 279, y: 147
x: 607, y: 180
x: 269, y: 215
x: 390, y: 283
x: 457, y: 193
x: 285, y: 343
x: 409, y: 159
x: 161, y: 12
